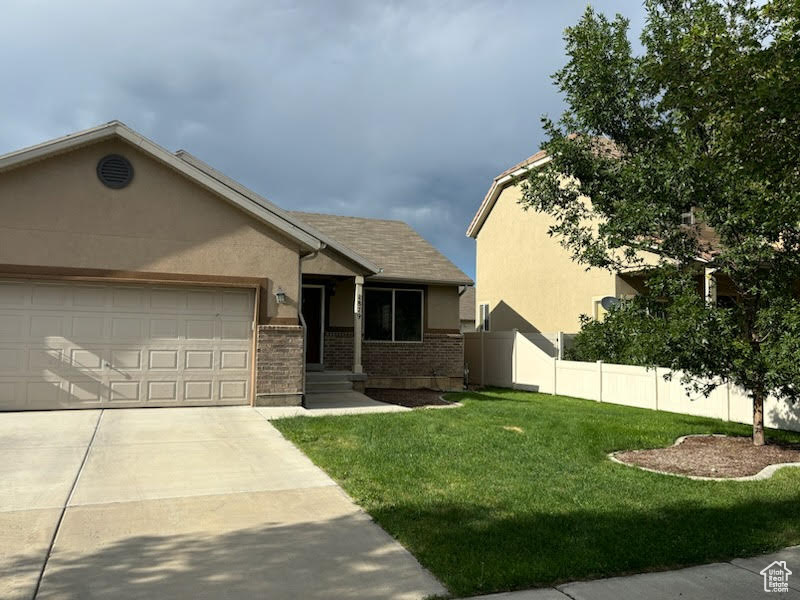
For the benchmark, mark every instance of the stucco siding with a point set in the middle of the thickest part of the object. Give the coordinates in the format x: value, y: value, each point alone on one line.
x: 329, y: 262
x: 340, y: 305
x: 527, y: 278
x: 56, y: 213
x: 442, y: 308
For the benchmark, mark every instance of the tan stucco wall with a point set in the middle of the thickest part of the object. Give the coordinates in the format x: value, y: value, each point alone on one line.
x: 442, y: 308
x: 341, y: 304
x: 527, y: 277
x: 56, y: 213
x: 329, y: 262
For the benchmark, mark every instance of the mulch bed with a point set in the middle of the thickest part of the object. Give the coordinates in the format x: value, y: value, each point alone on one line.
x: 407, y: 398
x: 713, y: 456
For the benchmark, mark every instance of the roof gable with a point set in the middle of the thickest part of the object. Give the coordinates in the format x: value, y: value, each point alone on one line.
x: 401, y: 253
x: 265, y: 213
x: 503, y: 180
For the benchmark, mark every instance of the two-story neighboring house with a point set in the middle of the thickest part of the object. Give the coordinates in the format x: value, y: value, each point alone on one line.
x: 526, y: 280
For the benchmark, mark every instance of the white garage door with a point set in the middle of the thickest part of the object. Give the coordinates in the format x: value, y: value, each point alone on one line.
x: 68, y: 345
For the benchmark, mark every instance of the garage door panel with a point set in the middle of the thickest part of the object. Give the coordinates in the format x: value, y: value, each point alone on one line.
x: 197, y: 329
x: 236, y: 330
x: 42, y: 394
x: 237, y: 303
x: 124, y: 391
x: 127, y: 298
x: 199, y: 359
x: 129, y: 359
x: 11, y: 359
x: 162, y: 390
x: 164, y: 329
x: 14, y: 294
x: 46, y: 326
x: 202, y: 301
x: 88, y: 328
x: 72, y: 345
x: 50, y: 359
x: 85, y: 391
x: 233, y: 390
x: 49, y: 295
x: 90, y: 297
x: 13, y: 328
x: 163, y: 359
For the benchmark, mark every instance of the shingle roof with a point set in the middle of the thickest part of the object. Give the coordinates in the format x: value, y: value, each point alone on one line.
x: 521, y: 165
x: 466, y: 304
x: 400, y: 251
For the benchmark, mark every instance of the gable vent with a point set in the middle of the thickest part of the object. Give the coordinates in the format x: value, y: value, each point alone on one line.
x: 114, y: 171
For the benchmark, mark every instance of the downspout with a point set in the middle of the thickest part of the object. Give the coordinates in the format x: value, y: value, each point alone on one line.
x: 300, y: 312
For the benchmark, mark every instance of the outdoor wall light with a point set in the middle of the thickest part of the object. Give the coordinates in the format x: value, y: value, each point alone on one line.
x: 280, y: 296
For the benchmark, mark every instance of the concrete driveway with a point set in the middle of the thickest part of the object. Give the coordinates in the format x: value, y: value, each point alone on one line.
x: 182, y: 503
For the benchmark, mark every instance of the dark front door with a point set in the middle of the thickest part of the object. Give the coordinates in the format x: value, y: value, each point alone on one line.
x: 312, y: 314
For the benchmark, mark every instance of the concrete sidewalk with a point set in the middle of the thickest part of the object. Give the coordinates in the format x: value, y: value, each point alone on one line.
x: 738, y: 579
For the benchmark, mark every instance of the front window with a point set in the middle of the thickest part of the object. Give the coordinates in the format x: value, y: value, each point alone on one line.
x: 484, y: 324
x: 393, y: 315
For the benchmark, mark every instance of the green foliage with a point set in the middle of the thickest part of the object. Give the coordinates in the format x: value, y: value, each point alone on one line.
x: 707, y: 118
x: 491, y: 509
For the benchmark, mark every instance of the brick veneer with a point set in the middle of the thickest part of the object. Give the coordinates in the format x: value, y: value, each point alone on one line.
x: 439, y: 355
x: 280, y: 366
x: 338, y: 350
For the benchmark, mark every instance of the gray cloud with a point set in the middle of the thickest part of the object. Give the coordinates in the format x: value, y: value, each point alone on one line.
x: 399, y: 110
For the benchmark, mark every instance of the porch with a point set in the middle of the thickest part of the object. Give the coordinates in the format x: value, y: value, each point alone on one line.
x: 380, y: 334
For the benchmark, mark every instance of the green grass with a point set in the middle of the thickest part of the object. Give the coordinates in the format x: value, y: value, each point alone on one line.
x: 487, y: 509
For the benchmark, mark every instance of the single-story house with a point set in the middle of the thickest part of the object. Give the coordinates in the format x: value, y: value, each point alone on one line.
x: 134, y: 276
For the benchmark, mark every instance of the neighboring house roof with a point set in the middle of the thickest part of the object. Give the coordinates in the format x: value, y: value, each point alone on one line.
x: 401, y: 252
x: 239, y: 188
x: 262, y: 210
x: 466, y: 304
x: 499, y: 183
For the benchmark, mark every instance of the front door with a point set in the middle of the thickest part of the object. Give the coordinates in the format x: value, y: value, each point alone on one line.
x: 313, y: 314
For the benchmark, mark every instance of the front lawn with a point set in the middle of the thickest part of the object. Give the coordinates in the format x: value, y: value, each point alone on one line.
x: 514, y: 490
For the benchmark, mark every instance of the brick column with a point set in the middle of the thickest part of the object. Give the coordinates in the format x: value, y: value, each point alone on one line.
x: 279, y: 365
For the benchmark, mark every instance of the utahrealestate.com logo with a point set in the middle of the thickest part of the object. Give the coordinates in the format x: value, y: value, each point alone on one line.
x: 776, y: 577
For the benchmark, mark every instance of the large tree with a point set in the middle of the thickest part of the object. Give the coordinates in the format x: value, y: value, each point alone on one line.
x: 704, y: 118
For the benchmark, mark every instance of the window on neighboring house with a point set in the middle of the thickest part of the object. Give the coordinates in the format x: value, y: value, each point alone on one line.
x: 599, y: 312
x: 484, y: 315
x: 687, y: 218
x: 393, y: 315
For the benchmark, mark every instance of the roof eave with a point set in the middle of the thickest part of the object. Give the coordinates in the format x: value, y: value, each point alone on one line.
x: 259, y: 200
x: 420, y: 280
x: 498, y: 185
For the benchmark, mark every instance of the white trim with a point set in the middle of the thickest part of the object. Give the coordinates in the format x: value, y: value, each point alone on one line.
x: 421, y: 315
x: 498, y: 185
x: 321, y: 324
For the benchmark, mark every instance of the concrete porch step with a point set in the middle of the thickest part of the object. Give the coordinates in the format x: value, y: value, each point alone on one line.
x: 332, y: 385
x: 329, y: 376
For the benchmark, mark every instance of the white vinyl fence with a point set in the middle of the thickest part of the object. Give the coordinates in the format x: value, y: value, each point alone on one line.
x: 531, y: 361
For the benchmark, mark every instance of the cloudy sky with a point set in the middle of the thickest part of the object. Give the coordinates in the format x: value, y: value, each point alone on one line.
x: 400, y: 110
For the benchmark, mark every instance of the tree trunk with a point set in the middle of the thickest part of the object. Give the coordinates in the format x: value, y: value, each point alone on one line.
x: 758, y: 418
